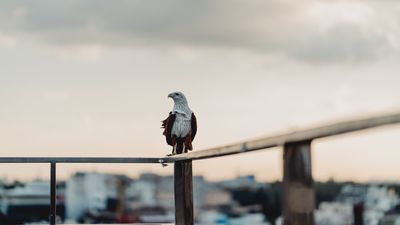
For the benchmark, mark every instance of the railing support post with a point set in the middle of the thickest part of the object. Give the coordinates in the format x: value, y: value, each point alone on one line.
x: 53, y: 194
x: 183, y: 185
x: 358, y: 212
x: 298, y: 184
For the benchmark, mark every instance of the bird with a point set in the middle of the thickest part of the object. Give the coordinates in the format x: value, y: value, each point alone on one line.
x: 180, y: 127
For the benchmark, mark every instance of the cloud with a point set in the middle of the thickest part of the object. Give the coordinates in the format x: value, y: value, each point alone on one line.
x: 85, y: 53
x: 342, y: 43
x: 314, y: 31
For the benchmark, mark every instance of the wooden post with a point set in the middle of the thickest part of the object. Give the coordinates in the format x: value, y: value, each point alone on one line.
x: 298, y: 184
x: 183, y: 185
x: 358, y: 212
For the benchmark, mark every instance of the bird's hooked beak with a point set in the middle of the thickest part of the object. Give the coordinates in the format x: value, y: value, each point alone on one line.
x: 170, y: 95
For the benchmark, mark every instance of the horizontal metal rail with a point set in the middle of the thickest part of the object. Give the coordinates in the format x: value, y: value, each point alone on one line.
x: 290, y: 137
x: 83, y: 160
x: 241, y: 147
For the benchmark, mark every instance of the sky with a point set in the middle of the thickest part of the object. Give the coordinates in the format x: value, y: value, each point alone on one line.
x: 91, y: 78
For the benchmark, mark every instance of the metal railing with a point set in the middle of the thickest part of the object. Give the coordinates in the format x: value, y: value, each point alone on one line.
x: 298, y: 188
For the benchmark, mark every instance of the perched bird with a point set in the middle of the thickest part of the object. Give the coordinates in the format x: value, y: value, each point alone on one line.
x: 181, y: 126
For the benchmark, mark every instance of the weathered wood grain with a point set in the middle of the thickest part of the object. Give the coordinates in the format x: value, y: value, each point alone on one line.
x: 183, y: 193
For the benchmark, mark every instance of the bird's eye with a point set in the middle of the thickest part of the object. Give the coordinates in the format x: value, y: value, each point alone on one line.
x: 176, y: 94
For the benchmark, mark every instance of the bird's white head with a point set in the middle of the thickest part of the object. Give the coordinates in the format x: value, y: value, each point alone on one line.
x: 178, y: 97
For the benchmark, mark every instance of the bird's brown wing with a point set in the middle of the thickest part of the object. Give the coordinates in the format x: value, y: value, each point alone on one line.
x: 193, y: 126
x: 167, y: 125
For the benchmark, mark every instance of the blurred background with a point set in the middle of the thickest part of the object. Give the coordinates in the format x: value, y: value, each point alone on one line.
x: 91, y: 78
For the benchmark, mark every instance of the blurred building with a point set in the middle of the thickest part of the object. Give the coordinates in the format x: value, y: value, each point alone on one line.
x: 29, y: 202
x: 93, y: 193
x: 90, y: 197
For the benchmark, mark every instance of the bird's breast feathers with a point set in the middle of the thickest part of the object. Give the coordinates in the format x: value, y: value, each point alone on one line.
x: 182, y: 124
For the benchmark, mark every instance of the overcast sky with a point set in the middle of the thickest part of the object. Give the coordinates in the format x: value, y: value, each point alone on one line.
x: 91, y: 78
